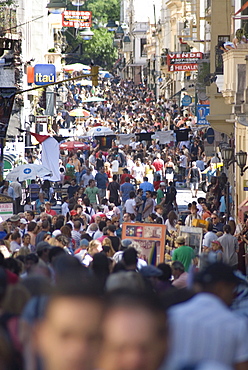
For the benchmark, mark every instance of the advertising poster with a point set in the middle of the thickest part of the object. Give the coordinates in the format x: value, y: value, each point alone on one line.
x: 151, y: 238
x: 193, y: 237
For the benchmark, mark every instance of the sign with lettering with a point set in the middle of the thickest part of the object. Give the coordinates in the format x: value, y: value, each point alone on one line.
x: 76, y: 18
x: 202, y: 113
x: 6, y: 207
x: 183, y: 61
x: 150, y: 237
x: 44, y: 74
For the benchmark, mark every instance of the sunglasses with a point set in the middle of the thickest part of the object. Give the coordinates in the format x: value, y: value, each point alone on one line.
x: 213, y: 218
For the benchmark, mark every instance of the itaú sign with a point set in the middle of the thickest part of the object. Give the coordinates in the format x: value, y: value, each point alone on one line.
x: 41, y: 74
x: 183, y: 61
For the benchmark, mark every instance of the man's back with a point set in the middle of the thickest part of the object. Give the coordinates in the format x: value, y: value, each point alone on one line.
x: 230, y: 247
x: 185, y: 255
x: 125, y: 189
x: 204, y: 328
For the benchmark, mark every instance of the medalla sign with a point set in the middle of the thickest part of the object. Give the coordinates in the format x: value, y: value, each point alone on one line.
x: 183, y: 61
x: 76, y: 18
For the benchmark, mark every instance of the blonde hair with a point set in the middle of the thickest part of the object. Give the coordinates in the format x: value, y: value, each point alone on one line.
x: 107, y: 243
x: 93, y: 244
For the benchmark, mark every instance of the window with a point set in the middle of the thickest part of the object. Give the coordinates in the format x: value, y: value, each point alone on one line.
x: 142, y: 48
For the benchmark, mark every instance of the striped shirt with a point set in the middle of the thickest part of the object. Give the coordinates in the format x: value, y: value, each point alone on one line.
x: 204, y: 328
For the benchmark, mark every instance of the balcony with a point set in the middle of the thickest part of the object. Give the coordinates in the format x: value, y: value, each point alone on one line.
x: 231, y: 60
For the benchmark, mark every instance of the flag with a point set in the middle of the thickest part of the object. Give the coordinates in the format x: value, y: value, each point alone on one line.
x: 152, y: 260
x: 49, y: 154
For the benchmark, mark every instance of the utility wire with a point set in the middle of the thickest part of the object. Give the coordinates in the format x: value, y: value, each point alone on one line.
x: 22, y: 24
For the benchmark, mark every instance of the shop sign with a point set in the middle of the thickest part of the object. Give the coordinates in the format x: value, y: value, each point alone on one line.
x: 183, y: 61
x: 150, y: 237
x: 76, y: 18
x: 202, y: 113
x: 6, y: 207
x: 44, y: 74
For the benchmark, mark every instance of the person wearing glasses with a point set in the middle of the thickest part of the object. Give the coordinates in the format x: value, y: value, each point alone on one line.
x: 217, y: 225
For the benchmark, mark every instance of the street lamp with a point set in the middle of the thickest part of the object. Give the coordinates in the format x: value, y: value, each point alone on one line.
x: 241, y: 158
x: 86, y: 33
x: 54, y: 5
x: 119, y: 32
x: 227, y: 154
x: 111, y: 25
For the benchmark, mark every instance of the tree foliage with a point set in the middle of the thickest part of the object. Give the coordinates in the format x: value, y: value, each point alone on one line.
x: 100, y: 48
x: 103, y: 10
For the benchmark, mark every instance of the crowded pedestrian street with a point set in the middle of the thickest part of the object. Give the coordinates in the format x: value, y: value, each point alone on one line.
x: 123, y: 185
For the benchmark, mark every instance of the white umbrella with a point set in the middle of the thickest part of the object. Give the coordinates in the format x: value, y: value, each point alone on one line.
x: 28, y: 172
x: 100, y: 131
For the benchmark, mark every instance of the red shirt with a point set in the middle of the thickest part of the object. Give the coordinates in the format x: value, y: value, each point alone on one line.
x: 123, y: 176
x: 51, y: 212
x: 158, y: 164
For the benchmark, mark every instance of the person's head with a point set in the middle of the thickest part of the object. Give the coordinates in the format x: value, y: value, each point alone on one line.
x: 132, y: 195
x: 29, y: 216
x: 126, y: 217
x: 193, y: 209
x: 172, y: 217
x: 73, y: 182
x: 16, y: 237
x: 47, y: 206
x: 45, y: 225
x: 218, y: 279
x: 166, y: 269
x: 26, y: 239
x: 145, y: 179
x: 94, y: 247
x: 193, y: 164
x: 214, y: 218
x: 177, y: 269
x: 114, y: 177
x: 77, y: 225
x: 180, y: 240
x: 140, y: 192
x: 68, y: 336
x: 215, y: 245
x: 127, y: 179
x: 148, y: 194
x: 91, y: 183
x: 30, y: 261
x: 227, y: 229
x: 134, y: 332
x: 130, y: 258
x: 159, y: 209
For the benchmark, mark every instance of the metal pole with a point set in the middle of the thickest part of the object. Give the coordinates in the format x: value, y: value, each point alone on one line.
x: 227, y: 202
x: 1, y: 158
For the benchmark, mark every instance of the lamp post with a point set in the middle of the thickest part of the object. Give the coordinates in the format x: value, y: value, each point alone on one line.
x: 228, y: 158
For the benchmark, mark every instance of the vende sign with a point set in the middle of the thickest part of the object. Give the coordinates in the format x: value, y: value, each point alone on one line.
x: 183, y: 61
x: 76, y: 18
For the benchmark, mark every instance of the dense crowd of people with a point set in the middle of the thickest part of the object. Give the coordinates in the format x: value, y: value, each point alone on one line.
x: 75, y: 294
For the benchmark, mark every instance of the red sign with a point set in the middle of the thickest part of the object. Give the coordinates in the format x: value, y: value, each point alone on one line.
x: 76, y: 18
x: 183, y: 61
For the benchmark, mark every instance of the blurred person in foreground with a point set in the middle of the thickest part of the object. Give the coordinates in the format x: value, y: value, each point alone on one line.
x: 68, y: 336
x: 204, y: 328
x: 134, y: 332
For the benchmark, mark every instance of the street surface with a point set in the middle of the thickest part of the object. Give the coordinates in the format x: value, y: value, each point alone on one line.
x: 184, y: 197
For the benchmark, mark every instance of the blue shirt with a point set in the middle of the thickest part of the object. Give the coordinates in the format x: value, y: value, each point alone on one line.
x: 101, y: 179
x: 125, y: 189
x: 145, y: 186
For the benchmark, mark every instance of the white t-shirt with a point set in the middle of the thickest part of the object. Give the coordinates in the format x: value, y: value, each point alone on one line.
x: 115, y: 166
x: 130, y: 206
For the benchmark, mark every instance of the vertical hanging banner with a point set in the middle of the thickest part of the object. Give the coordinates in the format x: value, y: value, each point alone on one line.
x: 7, y: 96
